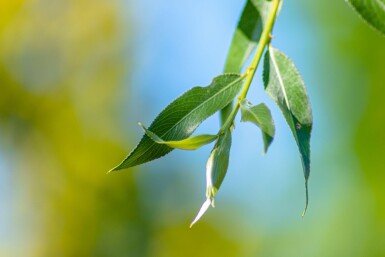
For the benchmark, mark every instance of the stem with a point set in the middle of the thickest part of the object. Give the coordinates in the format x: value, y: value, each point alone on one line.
x: 263, y: 42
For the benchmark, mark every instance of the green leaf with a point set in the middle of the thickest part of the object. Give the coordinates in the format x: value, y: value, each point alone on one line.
x: 285, y: 86
x: 217, y: 164
x: 247, y: 34
x: 372, y: 11
x: 180, y: 119
x: 216, y: 169
x: 260, y: 115
x: 245, y: 39
x: 264, y: 8
x: 190, y: 143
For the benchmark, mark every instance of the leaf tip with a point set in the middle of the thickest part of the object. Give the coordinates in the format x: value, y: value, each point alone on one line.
x: 115, y: 169
x: 267, y: 144
x: 202, y: 211
x: 264, y: 151
x: 265, y: 148
x: 141, y: 125
x: 307, y: 198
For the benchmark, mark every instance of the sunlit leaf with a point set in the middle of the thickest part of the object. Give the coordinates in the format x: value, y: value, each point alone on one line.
x: 285, y: 86
x: 205, y: 206
x: 247, y: 34
x: 260, y: 115
x: 245, y: 39
x: 216, y: 169
x: 372, y: 11
x: 180, y: 119
x: 190, y: 143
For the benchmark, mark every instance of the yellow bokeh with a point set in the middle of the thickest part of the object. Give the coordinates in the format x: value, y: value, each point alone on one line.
x: 63, y: 87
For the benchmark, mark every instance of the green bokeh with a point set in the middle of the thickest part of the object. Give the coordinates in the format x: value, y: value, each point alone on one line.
x: 61, y: 70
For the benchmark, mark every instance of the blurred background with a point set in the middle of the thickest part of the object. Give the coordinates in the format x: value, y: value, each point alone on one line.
x: 77, y: 75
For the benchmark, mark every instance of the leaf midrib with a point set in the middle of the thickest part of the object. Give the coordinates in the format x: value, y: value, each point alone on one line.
x: 220, y: 91
x: 284, y: 93
x: 255, y: 116
x: 204, y: 102
x: 280, y: 80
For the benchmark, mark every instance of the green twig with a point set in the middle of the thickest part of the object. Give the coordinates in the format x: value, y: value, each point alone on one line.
x: 249, y: 74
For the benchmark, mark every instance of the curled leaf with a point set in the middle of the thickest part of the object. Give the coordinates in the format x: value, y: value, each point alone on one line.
x: 285, y: 86
x: 216, y: 169
x: 190, y: 143
x: 260, y: 115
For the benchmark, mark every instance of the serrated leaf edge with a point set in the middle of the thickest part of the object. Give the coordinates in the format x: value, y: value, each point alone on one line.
x: 240, y: 78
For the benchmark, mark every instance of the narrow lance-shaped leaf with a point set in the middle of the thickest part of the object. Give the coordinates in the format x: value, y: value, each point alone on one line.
x: 180, y: 119
x: 260, y: 115
x: 216, y: 169
x: 247, y: 34
x: 191, y: 143
x: 372, y: 11
x: 245, y: 39
x: 285, y: 86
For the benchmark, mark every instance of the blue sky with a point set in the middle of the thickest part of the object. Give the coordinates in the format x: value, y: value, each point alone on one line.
x: 176, y: 45
x: 179, y: 45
